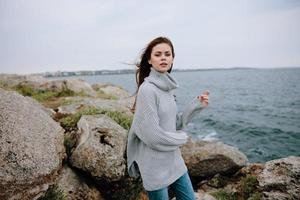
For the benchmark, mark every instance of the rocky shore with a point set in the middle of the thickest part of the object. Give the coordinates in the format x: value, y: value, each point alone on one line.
x: 66, y: 139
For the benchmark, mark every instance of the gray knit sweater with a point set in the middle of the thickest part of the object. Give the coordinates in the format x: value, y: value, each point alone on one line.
x: 154, y: 137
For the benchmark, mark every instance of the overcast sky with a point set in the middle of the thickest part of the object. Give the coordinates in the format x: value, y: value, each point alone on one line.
x: 71, y: 35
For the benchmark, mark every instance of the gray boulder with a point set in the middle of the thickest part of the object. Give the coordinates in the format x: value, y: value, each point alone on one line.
x: 280, y: 179
x: 200, y: 195
x: 127, y: 102
x: 11, y: 80
x: 111, y: 89
x: 75, y: 187
x: 101, y: 148
x: 207, y: 158
x: 75, y: 85
x: 124, y: 98
x: 79, y: 102
x: 38, y: 82
x: 31, y: 148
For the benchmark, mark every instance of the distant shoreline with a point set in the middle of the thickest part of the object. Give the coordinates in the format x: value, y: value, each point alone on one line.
x: 131, y: 71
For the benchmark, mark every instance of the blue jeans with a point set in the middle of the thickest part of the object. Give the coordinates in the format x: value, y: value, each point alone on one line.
x: 182, y: 189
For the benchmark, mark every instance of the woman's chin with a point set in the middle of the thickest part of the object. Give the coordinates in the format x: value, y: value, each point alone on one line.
x: 162, y: 69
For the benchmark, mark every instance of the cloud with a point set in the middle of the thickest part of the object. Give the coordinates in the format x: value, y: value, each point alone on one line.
x: 38, y: 36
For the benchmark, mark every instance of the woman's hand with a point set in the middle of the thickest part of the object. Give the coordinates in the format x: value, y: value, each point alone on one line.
x: 203, y: 98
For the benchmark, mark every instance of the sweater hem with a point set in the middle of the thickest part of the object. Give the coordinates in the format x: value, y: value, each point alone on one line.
x: 171, y: 181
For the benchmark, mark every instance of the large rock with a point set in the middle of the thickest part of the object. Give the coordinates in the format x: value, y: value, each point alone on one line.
x: 200, y: 195
x: 127, y: 102
x: 125, y: 99
x: 11, y: 80
x: 75, y: 85
x: 56, y: 85
x: 207, y: 158
x: 75, y: 187
x: 273, y: 180
x: 79, y: 102
x: 101, y: 148
x: 111, y: 89
x: 280, y: 179
x: 49, y: 111
x: 31, y: 148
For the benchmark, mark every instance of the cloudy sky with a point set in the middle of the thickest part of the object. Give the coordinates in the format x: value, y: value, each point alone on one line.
x: 71, y: 35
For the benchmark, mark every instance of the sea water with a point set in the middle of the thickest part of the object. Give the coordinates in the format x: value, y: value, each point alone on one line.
x: 255, y: 110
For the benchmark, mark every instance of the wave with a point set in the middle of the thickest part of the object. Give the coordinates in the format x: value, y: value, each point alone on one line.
x: 209, y: 137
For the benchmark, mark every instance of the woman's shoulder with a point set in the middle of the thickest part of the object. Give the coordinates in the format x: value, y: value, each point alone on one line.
x: 147, y: 93
x: 147, y: 88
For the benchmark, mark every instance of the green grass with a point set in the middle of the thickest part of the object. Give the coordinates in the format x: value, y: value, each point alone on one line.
x: 3, y: 85
x: 127, y: 189
x: 255, y: 196
x: 69, y: 143
x: 66, y: 102
x: 43, y: 95
x: 120, y: 118
x: 70, y: 121
x: 248, y: 190
x: 223, y: 195
x: 54, y: 193
x: 101, y: 94
x: 249, y: 186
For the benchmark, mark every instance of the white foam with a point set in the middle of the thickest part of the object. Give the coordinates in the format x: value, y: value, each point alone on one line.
x: 208, y: 137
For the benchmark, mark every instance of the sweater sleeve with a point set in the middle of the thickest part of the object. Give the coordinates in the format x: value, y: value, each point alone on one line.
x: 146, y: 124
x: 189, y: 111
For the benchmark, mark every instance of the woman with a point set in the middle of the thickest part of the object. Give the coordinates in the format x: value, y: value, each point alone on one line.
x: 155, y: 137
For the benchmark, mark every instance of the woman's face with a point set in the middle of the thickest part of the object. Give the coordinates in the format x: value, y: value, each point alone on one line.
x: 161, y: 57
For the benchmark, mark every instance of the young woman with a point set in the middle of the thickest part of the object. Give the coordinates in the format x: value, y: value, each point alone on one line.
x: 155, y: 136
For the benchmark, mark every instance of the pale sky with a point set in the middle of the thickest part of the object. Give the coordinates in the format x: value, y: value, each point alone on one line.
x: 72, y: 35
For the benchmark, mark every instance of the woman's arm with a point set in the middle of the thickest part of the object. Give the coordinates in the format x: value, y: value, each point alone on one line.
x: 146, y: 123
x: 192, y: 109
x: 189, y: 111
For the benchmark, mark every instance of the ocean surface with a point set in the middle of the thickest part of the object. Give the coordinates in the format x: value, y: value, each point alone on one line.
x: 255, y: 110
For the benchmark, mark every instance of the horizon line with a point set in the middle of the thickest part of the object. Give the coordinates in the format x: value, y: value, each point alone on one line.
x: 176, y: 69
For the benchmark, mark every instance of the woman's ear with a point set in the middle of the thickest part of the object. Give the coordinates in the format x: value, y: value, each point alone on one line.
x: 149, y: 61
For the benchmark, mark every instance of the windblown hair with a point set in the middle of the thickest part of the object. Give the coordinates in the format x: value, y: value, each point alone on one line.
x: 143, y: 66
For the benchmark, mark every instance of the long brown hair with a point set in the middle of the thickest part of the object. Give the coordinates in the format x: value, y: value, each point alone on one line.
x: 143, y: 67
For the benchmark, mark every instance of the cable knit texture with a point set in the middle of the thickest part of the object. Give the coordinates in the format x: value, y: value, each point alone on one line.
x: 155, y: 136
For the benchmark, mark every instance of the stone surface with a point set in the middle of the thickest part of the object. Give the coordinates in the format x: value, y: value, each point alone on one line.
x: 200, y: 195
x: 112, y: 89
x: 207, y: 158
x: 101, y: 148
x: 276, y: 180
x: 11, y: 80
x: 79, y: 102
x: 31, y: 147
x: 76, y: 85
x: 75, y: 187
x: 127, y: 102
x: 41, y: 83
x: 280, y: 179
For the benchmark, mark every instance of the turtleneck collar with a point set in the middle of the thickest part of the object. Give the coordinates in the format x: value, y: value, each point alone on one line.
x: 164, y: 80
